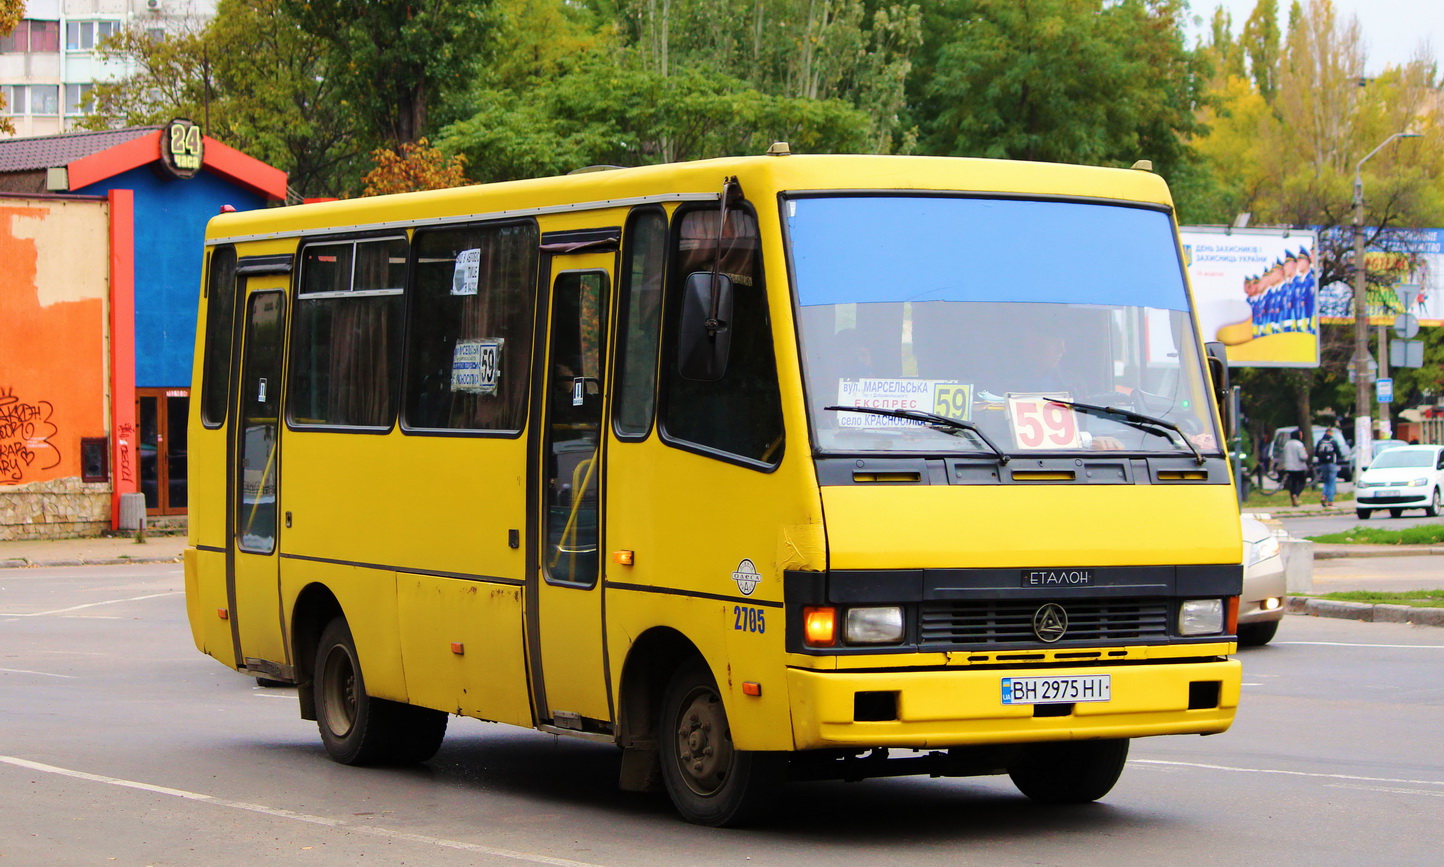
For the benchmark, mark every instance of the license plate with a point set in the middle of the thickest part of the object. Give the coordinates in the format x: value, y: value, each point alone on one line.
x: 1057, y: 690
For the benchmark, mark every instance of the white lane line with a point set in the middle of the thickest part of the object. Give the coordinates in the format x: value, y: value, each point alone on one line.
x: 41, y: 673
x: 1285, y: 773
x: 1388, y: 790
x: 90, y: 605
x: 298, y: 817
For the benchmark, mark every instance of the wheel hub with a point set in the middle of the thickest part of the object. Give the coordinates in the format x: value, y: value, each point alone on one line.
x: 704, y: 748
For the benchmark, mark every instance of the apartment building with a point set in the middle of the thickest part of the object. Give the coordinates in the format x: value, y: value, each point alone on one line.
x: 49, y: 65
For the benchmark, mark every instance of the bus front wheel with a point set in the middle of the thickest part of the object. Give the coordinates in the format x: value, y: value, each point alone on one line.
x: 358, y: 729
x: 1069, y: 772
x: 709, y: 781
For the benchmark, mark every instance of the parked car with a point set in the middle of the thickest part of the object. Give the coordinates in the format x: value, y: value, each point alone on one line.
x: 1261, y: 606
x: 1281, y: 436
x: 1406, y: 477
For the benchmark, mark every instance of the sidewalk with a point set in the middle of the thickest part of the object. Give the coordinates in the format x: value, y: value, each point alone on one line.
x: 102, y: 551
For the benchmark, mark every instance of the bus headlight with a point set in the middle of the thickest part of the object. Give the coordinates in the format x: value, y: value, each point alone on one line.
x: 874, y: 626
x: 1200, y: 616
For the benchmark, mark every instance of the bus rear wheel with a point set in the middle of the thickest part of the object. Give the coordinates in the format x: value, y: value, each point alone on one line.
x: 709, y: 781
x: 1069, y: 772
x: 358, y: 729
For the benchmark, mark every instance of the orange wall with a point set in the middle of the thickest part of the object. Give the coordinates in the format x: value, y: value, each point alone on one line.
x: 54, y: 272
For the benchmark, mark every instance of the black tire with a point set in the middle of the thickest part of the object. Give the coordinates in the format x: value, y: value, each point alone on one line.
x: 358, y: 729
x: 1069, y: 772
x: 1257, y: 634
x: 710, y: 782
x: 1396, y: 513
x: 1436, y: 505
x: 1363, y: 514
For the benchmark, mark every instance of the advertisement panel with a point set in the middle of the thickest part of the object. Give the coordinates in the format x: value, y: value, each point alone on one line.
x: 1255, y: 291
x: 1416, y: 258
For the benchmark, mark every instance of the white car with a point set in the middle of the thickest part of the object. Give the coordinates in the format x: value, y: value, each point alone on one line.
x: 1404, y: 477
x: 1261, y: 606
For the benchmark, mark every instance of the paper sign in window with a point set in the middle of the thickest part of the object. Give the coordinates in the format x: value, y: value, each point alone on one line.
x: 467, y: 276
x: 945, y: 397
x: 476, y: 366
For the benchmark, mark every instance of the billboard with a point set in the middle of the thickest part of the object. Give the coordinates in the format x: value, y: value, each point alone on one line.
x: 1255, y: 291
x: 1416, y: 258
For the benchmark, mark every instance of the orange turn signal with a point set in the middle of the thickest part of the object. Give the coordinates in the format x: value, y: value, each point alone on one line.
x: 458, y: 648
x: 751, y: 688
x: 622, y: 558
x: 1232, y: 615
x: 819, y: 626
x: 223, y: 613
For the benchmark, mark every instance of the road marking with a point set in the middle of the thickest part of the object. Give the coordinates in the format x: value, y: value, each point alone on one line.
x: 1352, y: 644
x: 299, y: 817
x: 91, y: 605
x: 41, y: 673
x: 1387, y: 790
x: 1285, y: 773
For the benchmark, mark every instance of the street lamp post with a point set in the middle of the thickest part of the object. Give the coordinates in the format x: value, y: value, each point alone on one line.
x: 1363, y: 442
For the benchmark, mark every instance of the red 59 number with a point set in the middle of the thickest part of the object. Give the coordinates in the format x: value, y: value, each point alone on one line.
x: 1038, y: 423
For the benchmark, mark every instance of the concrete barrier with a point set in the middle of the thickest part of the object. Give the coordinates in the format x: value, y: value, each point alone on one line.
x: 1298, y: 557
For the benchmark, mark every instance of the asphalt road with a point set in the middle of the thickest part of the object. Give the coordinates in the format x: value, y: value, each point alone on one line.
x: 119, y: 743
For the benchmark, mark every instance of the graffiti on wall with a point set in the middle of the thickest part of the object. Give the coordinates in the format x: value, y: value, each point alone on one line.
x: 25, y: 432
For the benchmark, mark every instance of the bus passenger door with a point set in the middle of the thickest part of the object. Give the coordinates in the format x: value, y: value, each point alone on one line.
x: 254, y: 586
x: 569, y: 683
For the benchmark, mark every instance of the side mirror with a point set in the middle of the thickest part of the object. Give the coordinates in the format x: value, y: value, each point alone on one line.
x: 1222, y: 394
x: 703, y: 343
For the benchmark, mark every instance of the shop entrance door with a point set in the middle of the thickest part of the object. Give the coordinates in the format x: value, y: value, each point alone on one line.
x: 162, y: 414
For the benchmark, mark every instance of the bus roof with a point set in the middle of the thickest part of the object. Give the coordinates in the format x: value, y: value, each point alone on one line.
x: 700, y: 180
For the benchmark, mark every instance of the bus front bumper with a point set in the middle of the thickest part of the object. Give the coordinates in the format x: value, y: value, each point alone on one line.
x: 946, y: 708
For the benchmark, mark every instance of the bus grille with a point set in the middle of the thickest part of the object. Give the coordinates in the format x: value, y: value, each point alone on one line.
x: 1011, y: 622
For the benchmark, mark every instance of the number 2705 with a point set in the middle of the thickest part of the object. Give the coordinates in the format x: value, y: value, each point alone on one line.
x: 748, y: 619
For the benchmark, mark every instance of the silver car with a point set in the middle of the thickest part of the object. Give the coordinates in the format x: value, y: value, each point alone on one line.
x: 1261, y: 606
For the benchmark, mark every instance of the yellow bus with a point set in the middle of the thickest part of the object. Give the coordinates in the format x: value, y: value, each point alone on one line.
x: 761, y: 469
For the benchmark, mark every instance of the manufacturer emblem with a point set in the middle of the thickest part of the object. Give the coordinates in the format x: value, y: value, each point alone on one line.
x: 1050, y: 622
x: 747, y: 577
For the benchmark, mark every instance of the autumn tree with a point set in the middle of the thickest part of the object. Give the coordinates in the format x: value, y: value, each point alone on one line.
x: 10, y: 13
x: 414, y: 166
x: 1291, y: 161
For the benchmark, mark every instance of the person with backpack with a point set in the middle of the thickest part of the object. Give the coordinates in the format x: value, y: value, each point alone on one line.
x: 1326, y: 456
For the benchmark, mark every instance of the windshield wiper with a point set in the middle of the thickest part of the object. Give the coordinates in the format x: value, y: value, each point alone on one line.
x: 1143, y: 422
x: 929, y: 418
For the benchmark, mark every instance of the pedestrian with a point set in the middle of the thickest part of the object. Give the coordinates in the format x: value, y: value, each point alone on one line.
x: 1326, y: 456
x: 1295, y: 466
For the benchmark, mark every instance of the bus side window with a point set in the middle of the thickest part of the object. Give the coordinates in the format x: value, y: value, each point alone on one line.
x: 220, y: 327
x: 346, y: 353
x: 741, y: 413
x: 469, y: 332
x: 644, y: 267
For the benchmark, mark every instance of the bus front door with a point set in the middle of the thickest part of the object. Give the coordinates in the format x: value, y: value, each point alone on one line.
x: 254, y: 579
x: 564, y: 609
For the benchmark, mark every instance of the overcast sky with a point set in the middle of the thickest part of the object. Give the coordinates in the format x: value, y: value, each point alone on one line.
x: 1392, y: 29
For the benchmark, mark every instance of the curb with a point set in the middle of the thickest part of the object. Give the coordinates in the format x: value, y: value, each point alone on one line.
x: 1338, y: 551
x: 25, y: 563
x: 1365, y: 611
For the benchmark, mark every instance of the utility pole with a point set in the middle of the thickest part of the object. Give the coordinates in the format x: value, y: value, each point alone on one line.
x: 1363, y: 441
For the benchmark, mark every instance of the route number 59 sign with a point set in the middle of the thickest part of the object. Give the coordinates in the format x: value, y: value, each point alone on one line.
x: 1038, y: 423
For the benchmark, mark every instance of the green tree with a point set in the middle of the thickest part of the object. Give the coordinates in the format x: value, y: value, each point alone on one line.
x: 252, y: 79
x: 391, y: 61
x: 1261, y: 42
x: 603, y: 113
x: 1058, y: 80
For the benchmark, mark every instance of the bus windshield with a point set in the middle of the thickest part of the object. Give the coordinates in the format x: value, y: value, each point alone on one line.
x: 1025, y: 320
